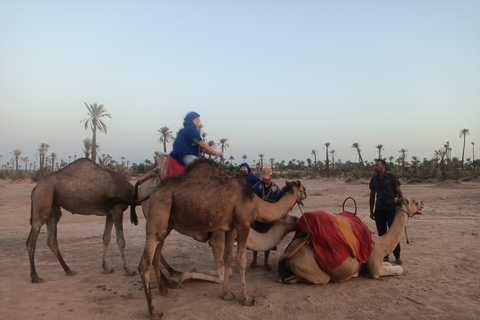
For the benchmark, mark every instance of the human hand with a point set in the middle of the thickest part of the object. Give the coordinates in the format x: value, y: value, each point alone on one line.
x: 372, y: 216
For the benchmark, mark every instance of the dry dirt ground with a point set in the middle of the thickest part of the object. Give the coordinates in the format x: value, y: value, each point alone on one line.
x: 440, y: 280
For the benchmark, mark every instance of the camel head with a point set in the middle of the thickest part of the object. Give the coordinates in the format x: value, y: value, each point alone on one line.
x: 409, y: 206
x: 298, y: 185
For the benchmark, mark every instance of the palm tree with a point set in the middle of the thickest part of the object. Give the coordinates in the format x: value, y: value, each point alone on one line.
x: 314, y: 154
x: 261, y: 155
x: 165, y: 136
x: 42, y: 150
x: 223, y: 144
x: 356, y: 147
x: 473, y: 152
x: 402, y: 159
x: 332, y: 152
x: 380, y: 148
x: 87, y: 147
x: 447, y: 148
x: 244, y: 157
x: 16, y: 156
x: 54, y: 156
x: 271, y: 160
x: 212, y: 144
x: 327, y: 163
x: 463, y: 134
x: 95, y: 112
x: 25, y: 159
x: 440, y: 157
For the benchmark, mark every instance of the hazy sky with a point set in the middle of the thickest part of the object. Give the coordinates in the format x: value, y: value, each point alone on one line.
x: 275, y: 77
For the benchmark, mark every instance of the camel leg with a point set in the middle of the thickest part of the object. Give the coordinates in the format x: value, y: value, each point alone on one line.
x: 217, y: 242
x: 378, y: 268
x: 145, y: 268
x: 107, y: 235
x: 242, y: 235
x: 118, y: 222
x: 52, y: 238
x: 163, y: 282
x: 304, y: 266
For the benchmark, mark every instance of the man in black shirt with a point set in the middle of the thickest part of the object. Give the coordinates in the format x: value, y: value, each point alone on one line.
x: 386, y: 186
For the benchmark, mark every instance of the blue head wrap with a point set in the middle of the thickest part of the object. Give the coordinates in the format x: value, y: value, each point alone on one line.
x: 189, y: 118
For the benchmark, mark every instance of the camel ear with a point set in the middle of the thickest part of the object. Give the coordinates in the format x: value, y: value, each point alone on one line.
x: 298, y: 183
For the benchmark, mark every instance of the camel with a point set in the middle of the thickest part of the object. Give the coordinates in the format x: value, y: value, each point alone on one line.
x: 303, y: 266
x: 81, y: 188
x: 255, y: 241
x: 206, y: 199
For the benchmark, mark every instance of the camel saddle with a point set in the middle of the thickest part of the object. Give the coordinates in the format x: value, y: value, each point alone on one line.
x: 335, y: 237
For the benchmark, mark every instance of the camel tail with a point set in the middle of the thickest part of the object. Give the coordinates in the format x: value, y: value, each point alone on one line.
x: 133, y: 213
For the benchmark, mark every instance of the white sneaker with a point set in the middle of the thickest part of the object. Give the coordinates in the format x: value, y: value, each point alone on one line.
x: 235, y: 243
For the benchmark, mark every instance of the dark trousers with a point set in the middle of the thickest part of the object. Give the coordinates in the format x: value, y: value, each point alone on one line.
x: 383, y: 219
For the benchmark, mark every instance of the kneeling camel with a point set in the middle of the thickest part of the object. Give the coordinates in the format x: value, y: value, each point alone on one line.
x: 303, y: 266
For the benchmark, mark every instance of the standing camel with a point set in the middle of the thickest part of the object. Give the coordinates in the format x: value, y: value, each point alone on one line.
x: 206, y: 199
x: 303, y: 266
x: 81, y: 188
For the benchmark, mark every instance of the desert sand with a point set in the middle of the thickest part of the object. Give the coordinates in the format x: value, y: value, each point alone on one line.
x: 440, y: 279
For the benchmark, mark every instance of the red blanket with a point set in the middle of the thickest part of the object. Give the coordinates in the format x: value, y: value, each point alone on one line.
x: 174, y: 167
x: 336, y: 237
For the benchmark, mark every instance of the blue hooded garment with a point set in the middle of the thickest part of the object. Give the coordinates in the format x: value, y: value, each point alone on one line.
x: 251, y: 178
x: 187, y: 139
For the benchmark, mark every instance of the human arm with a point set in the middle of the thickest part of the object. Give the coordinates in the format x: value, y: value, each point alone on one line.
x: 399, y: 192
x: 372, y: 203
x: 209, y: 150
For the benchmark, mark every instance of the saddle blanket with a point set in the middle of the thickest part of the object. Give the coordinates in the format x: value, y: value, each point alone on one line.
x: 335, y: 237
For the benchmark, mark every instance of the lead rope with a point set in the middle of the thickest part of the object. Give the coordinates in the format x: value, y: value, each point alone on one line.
x: 306, y: 239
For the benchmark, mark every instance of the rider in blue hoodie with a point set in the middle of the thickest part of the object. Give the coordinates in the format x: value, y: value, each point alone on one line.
x: 189, y: 143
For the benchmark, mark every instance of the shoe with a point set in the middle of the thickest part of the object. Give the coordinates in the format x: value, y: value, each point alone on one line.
x: 267, y: 267
x: 235, y: 243
x: 253, y: 265
x: 386, y: 259
x: 398, y: 261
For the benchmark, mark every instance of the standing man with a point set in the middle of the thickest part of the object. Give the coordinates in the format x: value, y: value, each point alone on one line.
x: 387, y: 187
x: 247, y: 174
x: 268, y: 191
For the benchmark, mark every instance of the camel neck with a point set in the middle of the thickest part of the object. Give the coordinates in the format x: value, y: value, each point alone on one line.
x: 394, y: 234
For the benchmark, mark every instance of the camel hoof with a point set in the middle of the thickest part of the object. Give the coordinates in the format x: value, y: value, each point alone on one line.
x: 248, y: 302
x: 228, y: 296
x: 70, y: 273
x: 172, y: 284
x: 185, y: 276
x: 108, y: 271
x: 163, y: 291
x: 129, y: 272
x: 37, y: 280
x: 156, y: 316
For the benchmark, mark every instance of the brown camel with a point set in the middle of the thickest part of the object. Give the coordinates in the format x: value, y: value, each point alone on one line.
x: 255, y: 241
x: 206, y: 199
x: 303, y: 267
x: 81, y: 188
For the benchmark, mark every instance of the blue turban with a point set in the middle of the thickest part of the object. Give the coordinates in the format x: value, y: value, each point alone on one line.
x: 190, y: 117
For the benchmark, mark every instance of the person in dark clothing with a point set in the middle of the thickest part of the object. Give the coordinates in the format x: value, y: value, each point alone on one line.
x: 248, y: 174
x: 268, y: 191
x: 188, y: 143
x: 386, y: 187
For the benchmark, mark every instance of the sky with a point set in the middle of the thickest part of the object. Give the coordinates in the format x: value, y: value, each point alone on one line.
x: 278, y: 78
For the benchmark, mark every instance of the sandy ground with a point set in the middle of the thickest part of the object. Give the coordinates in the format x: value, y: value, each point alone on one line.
x: 440, y: 279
